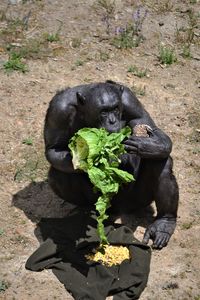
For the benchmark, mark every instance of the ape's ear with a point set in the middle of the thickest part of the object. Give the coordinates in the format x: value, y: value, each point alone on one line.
x: 81, y: 99
x: 120, y: 87
x: 111, y: 81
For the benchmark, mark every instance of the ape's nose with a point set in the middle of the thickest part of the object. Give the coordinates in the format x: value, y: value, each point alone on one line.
x: 112, y: 119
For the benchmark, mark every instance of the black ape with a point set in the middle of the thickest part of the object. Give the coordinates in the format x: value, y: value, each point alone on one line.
x: 113, y: 106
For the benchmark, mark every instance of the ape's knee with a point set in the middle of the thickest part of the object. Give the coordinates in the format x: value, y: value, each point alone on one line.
x: 167, y: 180
x: 169, y: 164
x: 166, y: 168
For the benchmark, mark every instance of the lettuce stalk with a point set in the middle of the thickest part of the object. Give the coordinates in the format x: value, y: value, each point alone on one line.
x: 97, y: 152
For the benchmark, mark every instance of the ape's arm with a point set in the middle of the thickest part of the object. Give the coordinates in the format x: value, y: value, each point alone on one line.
x: 57, y: 132
x: 158, y: 145
x: 60, y: 160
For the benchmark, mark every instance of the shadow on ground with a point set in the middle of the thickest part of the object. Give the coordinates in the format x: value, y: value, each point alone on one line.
x: 38, y: 202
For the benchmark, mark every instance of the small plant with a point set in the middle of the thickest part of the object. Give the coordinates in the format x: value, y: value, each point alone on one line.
x: 130, y: 36
x: 52, y: 37
x: 104, y: 56
x: 15, y: 63
x: 12, y: 31
x: 139, y: 90
x: 79, y: 63
x: 193, y: 24
x: 3, y: 286
x: 138, y: 20
x: 1, y: 231
x: 186, y: 51
x: 186, y: 35
x: 137, y: 72
x: 186, y: 226
x: 33, y: 48
x: 167, y: 56
x: 76, y: 42
x: 126, y: 39
x: 27, y: 141
x: 181, y: 35
x: 108, y: 7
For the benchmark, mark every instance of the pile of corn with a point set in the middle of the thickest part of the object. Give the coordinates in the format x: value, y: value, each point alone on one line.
x: 109, y: 255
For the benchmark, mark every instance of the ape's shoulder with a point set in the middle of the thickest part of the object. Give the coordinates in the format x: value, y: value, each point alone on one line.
x: 63, y: 107
x: 67, y: 97
x: 63, y: 99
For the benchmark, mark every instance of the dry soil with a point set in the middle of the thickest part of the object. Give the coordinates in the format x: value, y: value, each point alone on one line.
x: 66, y: 43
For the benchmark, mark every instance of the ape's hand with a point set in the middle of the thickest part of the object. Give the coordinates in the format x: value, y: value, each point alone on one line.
x: 137, y: 145
x: 160, y: 232
x: 157, y: 145
x: 130, y: 163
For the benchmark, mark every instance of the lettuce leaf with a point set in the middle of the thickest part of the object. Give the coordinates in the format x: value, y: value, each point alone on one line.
x: 97, y: 152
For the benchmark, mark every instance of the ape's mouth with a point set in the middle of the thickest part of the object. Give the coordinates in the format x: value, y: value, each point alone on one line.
x: 113, y: 128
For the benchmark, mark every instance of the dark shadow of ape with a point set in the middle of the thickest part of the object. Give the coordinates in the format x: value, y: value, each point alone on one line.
x: 51, y: 214
x: 38, y: 201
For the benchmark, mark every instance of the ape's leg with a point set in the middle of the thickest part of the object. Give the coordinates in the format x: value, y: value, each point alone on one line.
x: 73, y: 188
x: 155, y: 182
x: 166, y: 195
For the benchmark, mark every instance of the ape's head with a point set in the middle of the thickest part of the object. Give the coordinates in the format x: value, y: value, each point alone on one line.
x: 101, y: 106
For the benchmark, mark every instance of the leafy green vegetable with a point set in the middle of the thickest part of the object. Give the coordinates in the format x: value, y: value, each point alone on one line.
x: 97, y: 152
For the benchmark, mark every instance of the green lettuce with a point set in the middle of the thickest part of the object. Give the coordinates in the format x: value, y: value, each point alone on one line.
x: 97, y: 152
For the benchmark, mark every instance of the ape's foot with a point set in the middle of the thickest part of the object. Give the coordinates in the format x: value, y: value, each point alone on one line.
x: 160, y: 232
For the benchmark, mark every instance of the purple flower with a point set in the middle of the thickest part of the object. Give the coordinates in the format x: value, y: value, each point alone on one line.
x: 138, y: 19
x: 136, y: 15
x: 119, y: 30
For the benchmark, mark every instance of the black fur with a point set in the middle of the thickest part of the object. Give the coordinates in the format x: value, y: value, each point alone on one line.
x: 113, y: 106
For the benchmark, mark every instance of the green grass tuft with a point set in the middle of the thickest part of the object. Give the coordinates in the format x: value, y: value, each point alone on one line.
x: 27, y: 141
x: 52, y: 37
x: 3, y: 286
x: 167, y: 56
x: 15, y: 63
x: 137, y: 72
x: 127, y: 39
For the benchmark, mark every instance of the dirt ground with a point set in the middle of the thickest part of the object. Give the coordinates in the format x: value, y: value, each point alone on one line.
x: 66, y: 43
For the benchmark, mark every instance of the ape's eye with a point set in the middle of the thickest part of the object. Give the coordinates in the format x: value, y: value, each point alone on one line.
x: 103, y: 113
x: 116, y: 110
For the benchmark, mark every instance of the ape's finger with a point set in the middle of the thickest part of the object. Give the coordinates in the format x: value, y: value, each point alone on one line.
x: 165, y: 240
x: 160, y: 241
x: 146, y: 237
x: 131, y: 149
x: 130, y: 142
x: 156, y: 243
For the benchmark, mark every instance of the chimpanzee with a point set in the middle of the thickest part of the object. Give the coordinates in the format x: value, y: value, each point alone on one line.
x: 112, y: 106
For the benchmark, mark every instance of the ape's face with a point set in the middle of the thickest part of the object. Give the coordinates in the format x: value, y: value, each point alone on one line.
x: 105, y: 112
x: 102, y: 108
